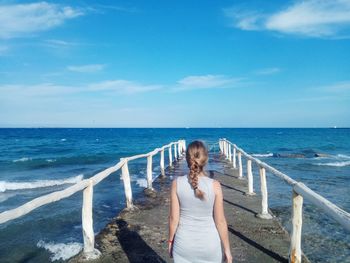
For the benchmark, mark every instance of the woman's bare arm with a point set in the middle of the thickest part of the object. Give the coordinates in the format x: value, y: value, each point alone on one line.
x: 174, y: 211
x: 220, y: 220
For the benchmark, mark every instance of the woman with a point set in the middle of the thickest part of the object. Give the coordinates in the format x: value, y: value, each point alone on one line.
x: 197, y: 224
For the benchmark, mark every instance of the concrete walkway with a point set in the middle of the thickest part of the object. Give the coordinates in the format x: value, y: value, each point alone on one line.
x: 141, y: 236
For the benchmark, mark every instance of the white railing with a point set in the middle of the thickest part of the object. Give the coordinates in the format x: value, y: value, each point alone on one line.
x: 299, y: 192
x: 87, y: 185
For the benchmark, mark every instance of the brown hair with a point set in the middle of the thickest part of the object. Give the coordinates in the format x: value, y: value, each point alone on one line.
x: 197, y: 158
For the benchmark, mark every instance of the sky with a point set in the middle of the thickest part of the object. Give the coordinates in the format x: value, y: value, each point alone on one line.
x: 175, y: 63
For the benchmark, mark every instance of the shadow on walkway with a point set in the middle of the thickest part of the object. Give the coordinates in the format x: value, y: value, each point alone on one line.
x: 134, y: 246
x: 242, y: 207
x: 258, y: 246
x: 232, y: 188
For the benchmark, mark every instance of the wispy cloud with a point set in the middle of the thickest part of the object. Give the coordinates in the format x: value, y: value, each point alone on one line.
x: 18, y: 20
x: 87, y: 68
x: 267, y: 71
x: 59, y: 43
x: 311, y: 18
x: 122, y: 86
x: 99, y: 8
x: 206, y: 82
x: 36, y: 90
x: 3, y: 50
x: 338, y: 87
x: 337, y: 91
x: 319, y: 99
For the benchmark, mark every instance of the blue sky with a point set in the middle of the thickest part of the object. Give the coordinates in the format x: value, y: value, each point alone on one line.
x: 175, y: 63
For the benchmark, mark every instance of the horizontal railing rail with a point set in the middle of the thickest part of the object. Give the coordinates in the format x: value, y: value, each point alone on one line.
x: 299, y: 191
x: 177, y: 148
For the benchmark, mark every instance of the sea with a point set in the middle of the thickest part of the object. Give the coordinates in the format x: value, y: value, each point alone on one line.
x: 38, y: 161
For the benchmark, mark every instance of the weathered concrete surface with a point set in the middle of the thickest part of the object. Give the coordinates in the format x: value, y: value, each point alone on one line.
x: 141, y: 235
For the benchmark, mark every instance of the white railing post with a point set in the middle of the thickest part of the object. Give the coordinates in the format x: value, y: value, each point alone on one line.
x: 149, y: 172
x: 224, y: 143
x: 184, y: 145
x: 226, y: 149
x: 229, y: 152
x: 87, y: 224
x: 264, y: 196
x: 179, y: 149
x: 170, y: 157
x: 234, y: 157
x: 240, y: 167
x: 250, y: 178
x: 297, y: 222
x: 162, y: 168
x: 127, y: 185
x: 175, y: 152
x: 223, y: 147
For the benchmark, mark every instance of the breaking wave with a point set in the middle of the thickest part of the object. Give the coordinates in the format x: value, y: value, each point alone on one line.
x: 336, y: 164
x: 262, y: 154
x: 5, y: 185
x: 61, y: 251
x: 141, y: 182
x: 24, y: 159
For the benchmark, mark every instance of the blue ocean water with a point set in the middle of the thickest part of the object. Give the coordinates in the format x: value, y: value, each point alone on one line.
x: 34, y: 162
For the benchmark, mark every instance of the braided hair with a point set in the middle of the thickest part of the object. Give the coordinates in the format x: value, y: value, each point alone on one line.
x: 197, y: 158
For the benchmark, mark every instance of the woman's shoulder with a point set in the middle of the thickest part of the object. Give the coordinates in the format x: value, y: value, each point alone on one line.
x: 180, y: 178
x: 216, y: 186
x: 209, y: 179
x: 212, y: 181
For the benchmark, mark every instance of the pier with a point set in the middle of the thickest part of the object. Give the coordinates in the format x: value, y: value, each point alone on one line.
x: 141, y: 235
x: 139, y: 232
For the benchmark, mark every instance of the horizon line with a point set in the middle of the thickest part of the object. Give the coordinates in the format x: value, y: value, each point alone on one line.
x: 187, y: 127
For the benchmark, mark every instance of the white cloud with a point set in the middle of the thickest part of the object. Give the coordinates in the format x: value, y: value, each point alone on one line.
x: 18, y: 20
x: 206, y: 82
x: 87, y: 68
x: 267, y: 71
x: 312, y: 18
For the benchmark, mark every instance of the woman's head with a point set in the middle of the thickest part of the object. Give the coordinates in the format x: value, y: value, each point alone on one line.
x: 197, y: 158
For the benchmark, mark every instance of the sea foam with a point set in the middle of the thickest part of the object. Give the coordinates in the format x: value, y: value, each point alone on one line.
x: 262, y: 154
x: 141, y: 182
x: 6, y: 196
x: 5, y: 185
x: 24, y: 159
x: 344, y: 156
x: 336, y: 164
x: 61, y: 251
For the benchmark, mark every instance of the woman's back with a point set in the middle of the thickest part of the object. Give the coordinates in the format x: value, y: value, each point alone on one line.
x: 194, y: 211
x: 196, y: 239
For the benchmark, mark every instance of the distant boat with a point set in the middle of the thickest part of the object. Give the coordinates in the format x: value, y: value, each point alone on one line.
x: 335, y: 127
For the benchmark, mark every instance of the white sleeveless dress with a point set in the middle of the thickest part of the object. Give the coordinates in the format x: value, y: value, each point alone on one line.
x: 196, y: 239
